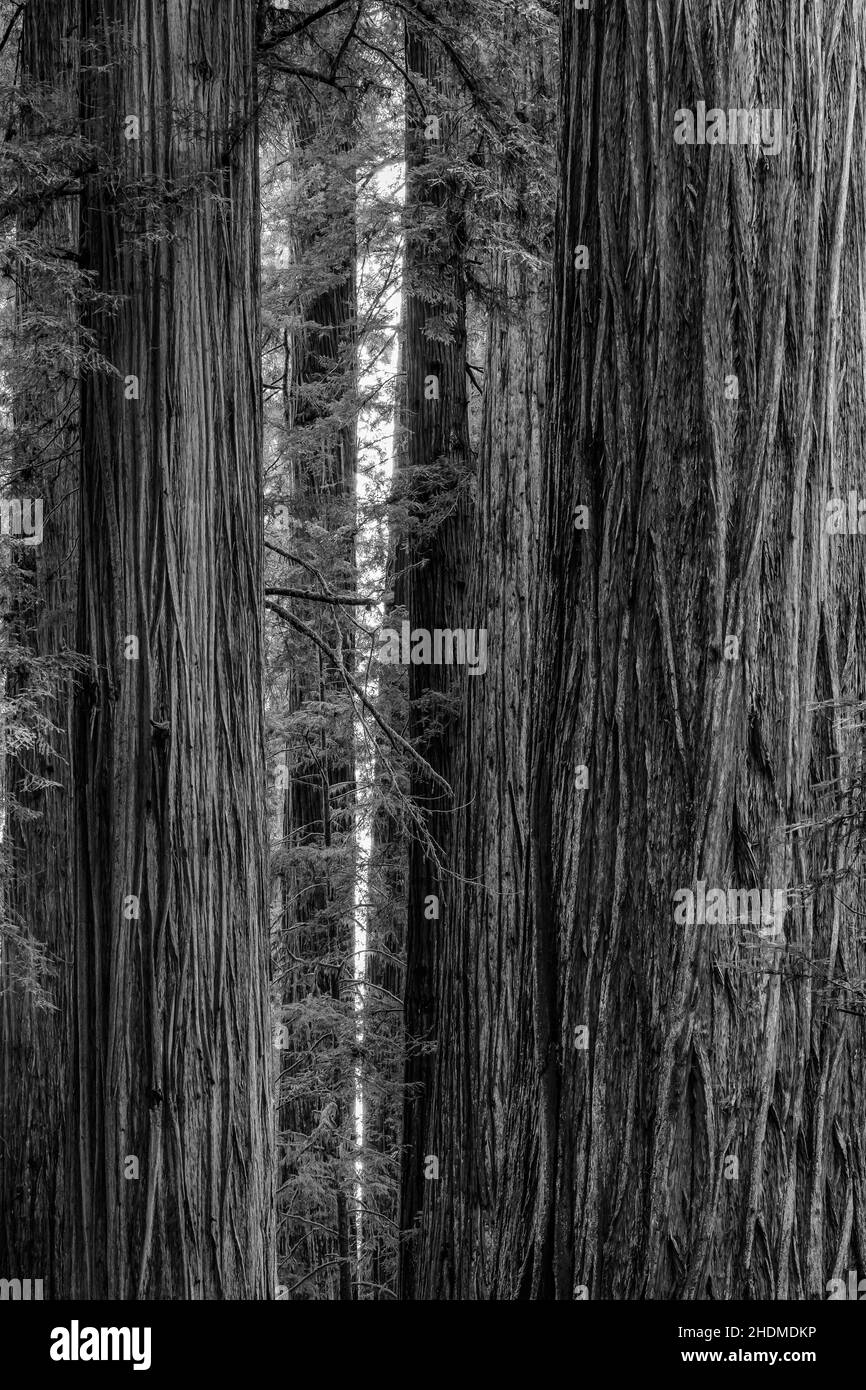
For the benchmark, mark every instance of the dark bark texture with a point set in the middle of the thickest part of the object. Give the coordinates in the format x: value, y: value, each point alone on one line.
x: 708, y: 759
x: 476, y: 1231
x: 169, y: 1053
x: 431, y: 566
x: 38, y: 833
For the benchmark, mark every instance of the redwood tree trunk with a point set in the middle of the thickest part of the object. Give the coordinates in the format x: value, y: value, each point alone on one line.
x: 431, y: 563
x: 484, y: 1104
x: 38, y: 829
x: 170, y: 1050
x: 704, y: 755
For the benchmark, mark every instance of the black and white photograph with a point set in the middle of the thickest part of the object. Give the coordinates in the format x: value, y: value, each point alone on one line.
x: 432, y: 676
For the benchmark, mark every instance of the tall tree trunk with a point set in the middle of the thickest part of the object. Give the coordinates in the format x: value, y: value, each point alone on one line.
x: 432, y: 479
x: 384, y: 1050
x: 170, y: 1185
x: 483, y: 1105
x: 695, y: 650
x: 38, y: 831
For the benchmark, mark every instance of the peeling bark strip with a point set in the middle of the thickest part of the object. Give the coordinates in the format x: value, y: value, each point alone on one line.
x: 170, y: 1050
x: 694, y: 648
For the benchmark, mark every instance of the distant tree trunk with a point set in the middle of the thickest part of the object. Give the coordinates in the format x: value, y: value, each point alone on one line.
x: 37, y: 836
x: 696, y: 650
x: 383, y: 1052
x: 170, y: 1057
x: 432, y: 480
x: 318, y: 820
x: 385, y: 969
x: 474, y: 1241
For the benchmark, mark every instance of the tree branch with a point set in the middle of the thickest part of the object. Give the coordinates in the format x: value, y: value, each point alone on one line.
x: 397, y: 742
x: 298, y: 28
x: 358, y: 600
x: 10, y: 26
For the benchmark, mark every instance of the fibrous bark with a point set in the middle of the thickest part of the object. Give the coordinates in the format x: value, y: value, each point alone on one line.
x: 695, y: 650
x: 169, y: 1062
x: 38, y: 830
x: 432, y: 481
x: 476, y: 1233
